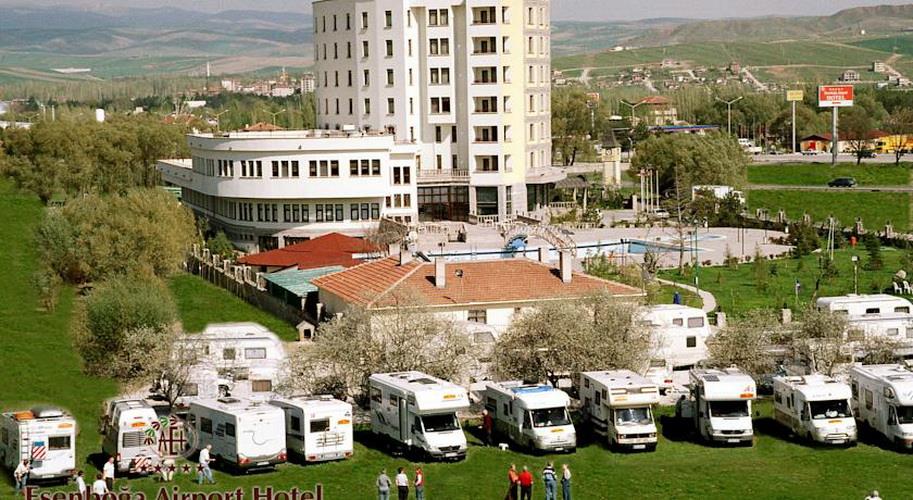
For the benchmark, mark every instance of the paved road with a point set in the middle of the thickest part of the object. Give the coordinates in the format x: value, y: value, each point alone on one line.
x: 858, y: 189
x: 707, y: 297
x: 820, y: 158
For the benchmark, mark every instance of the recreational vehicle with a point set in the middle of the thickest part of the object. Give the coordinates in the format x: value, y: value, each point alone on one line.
x: 815, y: 407
x: 242, y: 360
x: 883, y: 401
x: 44, y: 435
x: 718, y: 192
x: 317, y: 428
x: 244, y: 434
x: 875, y: 315
x: 660, y: 373
x: 533, y: 416
x: 721, y: 405
x: 130, y: 436
x: 619, y: 405
x: 679, y: 333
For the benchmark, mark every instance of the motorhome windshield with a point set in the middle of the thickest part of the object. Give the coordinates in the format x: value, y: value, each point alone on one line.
x: 821, y: 410
x: 729, y: 408
x: 550, y: 417
x: 441, y: 422
x: 904, y: 414
x: 632, y: 416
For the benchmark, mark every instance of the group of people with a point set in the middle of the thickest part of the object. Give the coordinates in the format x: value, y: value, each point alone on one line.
x: 401, y: 482
x: 520, y: 484
x: 104, y: 480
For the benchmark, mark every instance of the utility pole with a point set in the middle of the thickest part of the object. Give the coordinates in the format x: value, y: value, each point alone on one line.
x: 794, y: 127
x: 729, y: 111
x: 835, y: 142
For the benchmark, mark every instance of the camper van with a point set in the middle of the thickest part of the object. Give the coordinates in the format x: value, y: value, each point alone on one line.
x: 241, y: 360
x: 661, y: 374
x: 130, y: 436
x: 317, y: 428
x: 721, y: 405
x: 718, y: 192
x: 679, y: 333
x: 533, y: 416
x: 875, y: 315
x: 418, y: 412
x: 815, y: 407
x: 44, y: 435
x: 618, y: 404
x: 244, y: 434
x: 883, y: 400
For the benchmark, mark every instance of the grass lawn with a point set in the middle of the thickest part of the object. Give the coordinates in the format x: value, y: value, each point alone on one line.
x: 875, y: 208
x: 805, y: 174
x: 736, y: 291
x: 666, y: 293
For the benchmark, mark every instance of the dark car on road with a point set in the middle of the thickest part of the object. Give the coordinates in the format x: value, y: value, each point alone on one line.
x: 842, y: 182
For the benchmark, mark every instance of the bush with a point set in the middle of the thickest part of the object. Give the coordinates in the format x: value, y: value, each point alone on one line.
x: 220, y: 245
x: 803, y: 238
x: 873, y: 248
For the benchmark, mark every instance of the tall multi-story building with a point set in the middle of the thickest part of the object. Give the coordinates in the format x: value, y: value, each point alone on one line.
x: 468, y: 82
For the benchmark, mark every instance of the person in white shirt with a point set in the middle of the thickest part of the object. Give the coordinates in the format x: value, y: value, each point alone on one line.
x: 402, y: 484
x: 108, y: 473
x: 99, y: 487
x: 81, y: 484
x: 205, y: 470
x: 22, y: 475
x: 873, y: 496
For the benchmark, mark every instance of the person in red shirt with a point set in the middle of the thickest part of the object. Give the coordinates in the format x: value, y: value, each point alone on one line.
x: 488, y: 426
x: 513, y: 483
x: 526, y: 484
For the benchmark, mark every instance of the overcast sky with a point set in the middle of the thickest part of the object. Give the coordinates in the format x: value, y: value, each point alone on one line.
x: 590, y: 10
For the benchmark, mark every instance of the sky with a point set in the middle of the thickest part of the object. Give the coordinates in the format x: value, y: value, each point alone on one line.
x: 589, y: 10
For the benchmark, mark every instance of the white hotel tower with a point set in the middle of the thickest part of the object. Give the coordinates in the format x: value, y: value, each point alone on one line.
x: 466, y: 81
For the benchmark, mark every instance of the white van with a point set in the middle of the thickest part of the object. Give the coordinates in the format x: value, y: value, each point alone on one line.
x: 419, y: 412
x: 317, y: 428
x: 679, y: 333
x: 44, y: 435
x: 533, y: 416
x: 244, y: 434
x: 129, y: 435
x: 721, y: 405
x: 875, y: 315
x: 618, y: 404
x: 815, y: 407
x: 883, y: 400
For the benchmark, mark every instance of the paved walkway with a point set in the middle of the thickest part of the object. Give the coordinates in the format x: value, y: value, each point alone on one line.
x: 708, y: 299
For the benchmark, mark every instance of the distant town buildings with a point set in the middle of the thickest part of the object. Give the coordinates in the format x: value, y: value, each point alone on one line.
x: 850, y: 75
x: 878, y: 67
x: 658, y: 111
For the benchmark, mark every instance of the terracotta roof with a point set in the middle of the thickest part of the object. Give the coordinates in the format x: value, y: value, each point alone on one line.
x: 331, y: 249
x: 656, y: 100
x: 493, y: 281
x: 261, y: 127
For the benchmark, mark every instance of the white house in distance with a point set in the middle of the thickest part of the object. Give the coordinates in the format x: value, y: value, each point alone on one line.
x: 266, y: 189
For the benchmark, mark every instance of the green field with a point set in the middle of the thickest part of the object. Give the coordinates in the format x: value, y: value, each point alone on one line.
x: 876, y: 209
x: 892, y: 44
x: 40, y: 365
x: 736, y: 289
x: 805, y: 174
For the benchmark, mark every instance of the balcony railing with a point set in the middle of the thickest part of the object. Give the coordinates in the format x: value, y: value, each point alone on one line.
x: 443, y: 175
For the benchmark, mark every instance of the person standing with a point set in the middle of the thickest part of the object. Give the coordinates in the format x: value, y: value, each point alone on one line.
x: 167, y: 467
x: 419, y: 484
x: 81, y: 485
x: 551, y: 482
x: 22, y: 475
x: 99, y: 487
x: 402, y: 484
x: 108, y: 472
x: 205, y: 471
x: 873, y: 496
x: 488, y: 427
x: 383, y: 486
x: 513, y: 484
x: 526, y: 484
x: 565, y: 482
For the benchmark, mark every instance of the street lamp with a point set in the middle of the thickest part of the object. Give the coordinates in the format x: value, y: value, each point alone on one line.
x: 729, y: 111
x: 277, y: 113
x: 218, y: 121
x: 633, y: 107
x: 855, y: 259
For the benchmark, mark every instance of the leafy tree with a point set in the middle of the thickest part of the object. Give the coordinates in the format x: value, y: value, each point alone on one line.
x: 820, y: 340
x: 856, y: 126
x: 803, y: 238
x: 693, y: 160
x: 220, y: 245
x: 760, y: 268
x: 873, y: 248
x: 900, y: 127
x: 571, y: 124
x: 746, y: 342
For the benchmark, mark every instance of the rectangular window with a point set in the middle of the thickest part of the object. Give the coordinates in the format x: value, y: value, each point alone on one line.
x: 697, y: 322
x: 477, y: 316
x: 367, y: 106
x: 328, y: 212
x: 353, y: 211
x: 691, y: 342
x: 364, y: 48
x: 365, y: 211
x: 322, y: 425
x: 389, y: 48
x: 255, y: 352
x: 205, y: 425
x: 230, y: 430
x: 312, y: 168
x: 275, y: 169
x: 59, y: 443
x: 295, y: 170
x: 364, y: 20
x: 295, y: 423
x: 228, y: 354
x: 902, y: 309
x: 353, y: 167
x: 261, y: 385
x: 432, y: 17
x: 391, y: 106
x: 305, y: 216
x: 388, y: 19
x: 375, y: 211
x: 340, y: 212
x: 375, y: 167
x: 389, y: 77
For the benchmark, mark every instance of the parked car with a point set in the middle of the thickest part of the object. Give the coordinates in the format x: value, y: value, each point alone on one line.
x: 811, y: 152
x: 867, y: 154
x: 843, y: 182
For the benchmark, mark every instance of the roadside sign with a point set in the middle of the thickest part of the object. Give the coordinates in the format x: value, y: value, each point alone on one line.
x: 835, y: 96
x: 795, y: 95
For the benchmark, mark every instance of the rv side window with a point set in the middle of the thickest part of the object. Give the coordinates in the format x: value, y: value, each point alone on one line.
x: 295, y: 423
x: 230, y: 430
x: 491, y: 404
x: 255, y: 353
x: 586, y: 382
x: 504, y: 409
x: 902, y: 309
x: 892, y: 416
x: 5, y: 436
x: 59, y: 443
x: 873, y: 310
x: 261, y: 385
x: 697, y: 322
x: 321, y: 425
x: 869, y: 399
x: 854, y: 388
x: 191, y: 390
x: 678, y: 322
x: 527, y: 421
x: 393, y: 401
x: 604, y: 394
x: 691, y: 342
x: 241, y: 373
x: 910, y: 333
x: 893, y: 332
x: 375, y: 395
x: 598, y: 398
x: 205, y: 425
x: 228, y: 354
x: 778, y: 397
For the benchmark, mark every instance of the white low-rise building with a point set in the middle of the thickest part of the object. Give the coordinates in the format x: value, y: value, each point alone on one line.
x: 266, y: 189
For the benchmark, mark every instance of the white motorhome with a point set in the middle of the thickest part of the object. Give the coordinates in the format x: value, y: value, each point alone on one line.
x: 44, y: 435
x: 130, y: 436
x: 242, y: 360
x: 875, y: 315
x: 533, y: 416
x: 679, y: 333
x: 244, y: 434
x: 419, y: 412
x: 660, y: 372
x: 718, y: 192
x: 815, y: 407
x: 721, y: 405
x: 317, y: 428
x: 883, y: 400
x: 618, y: 404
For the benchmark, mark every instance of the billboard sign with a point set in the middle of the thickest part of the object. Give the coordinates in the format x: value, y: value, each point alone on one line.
x: 835, y: 96
x: 795, y: 95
